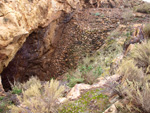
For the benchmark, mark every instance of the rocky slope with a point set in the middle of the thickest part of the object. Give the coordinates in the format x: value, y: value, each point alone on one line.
x: 51, y: 48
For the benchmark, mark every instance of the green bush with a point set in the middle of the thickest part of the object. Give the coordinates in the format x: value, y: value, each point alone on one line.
x: 17, y: 91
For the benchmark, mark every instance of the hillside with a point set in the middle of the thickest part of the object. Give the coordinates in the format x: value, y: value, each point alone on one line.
x: 89, y: 59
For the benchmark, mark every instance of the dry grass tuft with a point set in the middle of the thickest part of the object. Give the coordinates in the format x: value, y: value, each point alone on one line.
x: 141, y: 55
x: 139, y: 94
x: 146, y: 30
x: 129, y: 71
x: 135, y: 84
x: 38, y: 98
x: 144, y: 8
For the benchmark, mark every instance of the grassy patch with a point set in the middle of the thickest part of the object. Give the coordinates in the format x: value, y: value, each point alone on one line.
x: 85, y: 73
x: 1, y: 97
x: 4, y: 103
x: 16, y: 90
x: 92, y: 101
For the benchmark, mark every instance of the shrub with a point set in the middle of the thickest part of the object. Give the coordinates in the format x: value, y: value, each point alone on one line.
x: 129, y: 71
x: 88, y: 73
x: 135, y: 85
x: 16, y: 90
x: 38, y: 98
x: 144, y: 8
x: 141, y: 55
x: 140, y: 95
x: 146, y: 30
x: 74, y: 80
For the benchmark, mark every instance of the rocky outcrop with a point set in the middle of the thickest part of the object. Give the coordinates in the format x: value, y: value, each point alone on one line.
x: 18, y: 18
x: 103, y: 82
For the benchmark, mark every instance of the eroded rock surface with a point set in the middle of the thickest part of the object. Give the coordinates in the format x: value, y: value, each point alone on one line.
x: 18, y: 18
x: 47, y: 57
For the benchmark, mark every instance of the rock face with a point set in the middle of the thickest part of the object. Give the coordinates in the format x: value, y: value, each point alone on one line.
x: 18, y: 18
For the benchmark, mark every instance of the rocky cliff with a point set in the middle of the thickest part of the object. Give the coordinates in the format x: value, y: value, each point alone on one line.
x: 18, y: 18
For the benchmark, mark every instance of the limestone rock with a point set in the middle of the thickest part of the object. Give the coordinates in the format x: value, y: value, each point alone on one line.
x: 103, y: 82
x: 76, y: 90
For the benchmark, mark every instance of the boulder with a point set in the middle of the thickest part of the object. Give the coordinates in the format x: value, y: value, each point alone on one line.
x: 106, y: 82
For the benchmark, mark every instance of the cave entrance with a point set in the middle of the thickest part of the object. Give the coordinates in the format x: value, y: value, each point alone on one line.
x: 49, y: 52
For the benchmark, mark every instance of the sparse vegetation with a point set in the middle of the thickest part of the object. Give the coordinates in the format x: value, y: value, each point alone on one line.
x: 128, y: 70
x: 135, y: 84
x: 92, y: 101
x: 4, y: 103
x: 87, y: 73
x: 141, y: 55
x: 38, y: 98
x: 15, y: 90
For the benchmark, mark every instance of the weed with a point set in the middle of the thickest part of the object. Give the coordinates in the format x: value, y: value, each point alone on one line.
x: 17, y: 91
x: 98, y: 71
x: 1, y: 97
x: 73, y: 81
